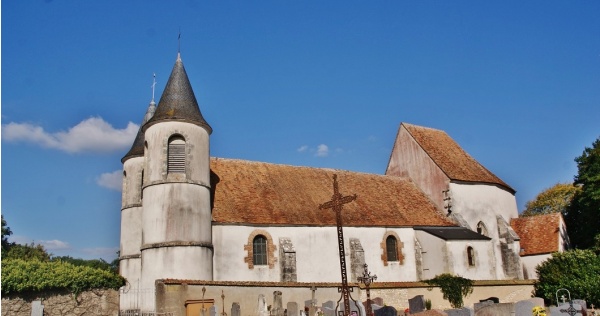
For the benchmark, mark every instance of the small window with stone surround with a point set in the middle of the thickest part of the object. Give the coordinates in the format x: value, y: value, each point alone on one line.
x: 391, y: 247
x: 260, y: 250
x: 471, y: 256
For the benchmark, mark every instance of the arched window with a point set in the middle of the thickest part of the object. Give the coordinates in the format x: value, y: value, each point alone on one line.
x: 471, y: 256
x: 481, y: 229
x: 391, y: 248
x: 259, y: 250
x: 176, y: 155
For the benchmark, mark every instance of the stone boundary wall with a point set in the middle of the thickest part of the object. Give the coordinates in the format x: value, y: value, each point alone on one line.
x: 93, y: 302
x: 172, y: 295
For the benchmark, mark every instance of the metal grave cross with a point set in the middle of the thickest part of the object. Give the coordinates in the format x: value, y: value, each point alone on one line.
x: 337, y: 202
x: 367, y: 279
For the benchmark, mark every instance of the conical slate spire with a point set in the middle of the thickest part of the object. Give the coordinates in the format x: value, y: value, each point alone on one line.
x: 137, y: 149
x: 178, y: 102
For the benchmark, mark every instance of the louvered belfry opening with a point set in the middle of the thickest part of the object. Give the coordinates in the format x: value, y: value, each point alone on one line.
x: 176, y: 155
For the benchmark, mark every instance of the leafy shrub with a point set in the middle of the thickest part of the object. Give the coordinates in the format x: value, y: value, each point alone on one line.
x: 575, y: 270
x: 453, y: 288
x: 20, y: 277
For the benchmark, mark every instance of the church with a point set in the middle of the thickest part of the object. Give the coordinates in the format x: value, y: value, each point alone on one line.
x: 190, y: 221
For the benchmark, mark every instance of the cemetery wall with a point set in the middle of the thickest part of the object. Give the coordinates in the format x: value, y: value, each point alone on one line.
x: 172, y: 296
x: 94, y: 303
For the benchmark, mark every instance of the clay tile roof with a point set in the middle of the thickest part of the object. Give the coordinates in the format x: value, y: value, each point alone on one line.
x: 456, y: 163
x: 539, y: 234
x: 270, y: 194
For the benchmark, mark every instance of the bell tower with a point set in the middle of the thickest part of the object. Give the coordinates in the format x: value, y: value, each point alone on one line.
x: 176, y: 235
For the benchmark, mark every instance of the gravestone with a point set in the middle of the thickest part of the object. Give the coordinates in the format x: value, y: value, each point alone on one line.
x: 489, y: 308
x: 37, y: 309
x: 355, y: 308
x: 235, y: 309
x: 583, y: 304
x: 482, y: 305
x: 328, y: 308
x: 277, y: 309
x: 493, y: 299
x: 261, y: 309
x: 525, y: 307
x: 378, y: 300
x: 566, y: 309
x: 465, y: 311
x: 386, y: 311
x: 416, y: 304
x: 213, y: 310
x: 292, y: 309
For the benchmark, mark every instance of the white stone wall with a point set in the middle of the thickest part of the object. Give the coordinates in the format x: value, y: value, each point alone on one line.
x: 434, y: 255
x: 482, y: 202
x: 317, y: 258
x: 531, y: 262
x: 484, y: 267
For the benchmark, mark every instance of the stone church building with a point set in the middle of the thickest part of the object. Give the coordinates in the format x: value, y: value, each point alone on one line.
x: 189, y: 219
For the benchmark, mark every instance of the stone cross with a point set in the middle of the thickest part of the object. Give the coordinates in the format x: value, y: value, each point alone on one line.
x: 337, y: 202
x: 367, y: 279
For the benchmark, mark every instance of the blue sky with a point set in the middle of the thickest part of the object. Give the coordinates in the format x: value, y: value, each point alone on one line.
x: 311, y: 83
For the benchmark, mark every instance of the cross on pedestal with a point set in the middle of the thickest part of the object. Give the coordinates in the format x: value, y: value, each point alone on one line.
x: 367, y: 279
x: 336, y: 203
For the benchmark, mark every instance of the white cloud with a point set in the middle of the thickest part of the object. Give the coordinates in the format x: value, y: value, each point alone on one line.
x: 90, y: 135
x: 111, y: 180
x: 322, y: 151
x: 55, y: 244
x: 302, y: 149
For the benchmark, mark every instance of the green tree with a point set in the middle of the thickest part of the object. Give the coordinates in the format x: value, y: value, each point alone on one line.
x: 576, y: 270
x: 453, y: 288
x: 27, y: 252
x: 552, y: 200
x: 583, y: 215
x: 5, y: 233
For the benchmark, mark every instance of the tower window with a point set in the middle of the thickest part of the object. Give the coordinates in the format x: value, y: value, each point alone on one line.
x: 176, y: 155
x: 259, y: 250
x: 471, y: 256
x: 391, y: 247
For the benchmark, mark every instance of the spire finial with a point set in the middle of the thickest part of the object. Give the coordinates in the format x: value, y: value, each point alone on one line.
x: 153, y: 85
x: 179, y: 42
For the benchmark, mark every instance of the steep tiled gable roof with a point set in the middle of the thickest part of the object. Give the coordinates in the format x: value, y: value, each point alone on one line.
x: 271, y: 194
x: 539, y: 234
x: 450, y: 157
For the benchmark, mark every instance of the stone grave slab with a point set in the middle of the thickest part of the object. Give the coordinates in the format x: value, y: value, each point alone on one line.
x: 525, y: 307
x: 292, y: 309
x: 416, y: 304
x: 235, y: 309
x: 465, y: 311
x: 37, y: 309
x: 386, y: 311
x: 566, y: 309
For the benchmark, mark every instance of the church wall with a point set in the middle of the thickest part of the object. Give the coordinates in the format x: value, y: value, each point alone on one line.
x: 175, y: 263
x: 316, y: 253
x: 482, y: 203
x: 409, y: 160
x: 434, y: 255
x: 483, y: 267
x: 531, y: 262
x: 176, y: 212
x: 131, y: 220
